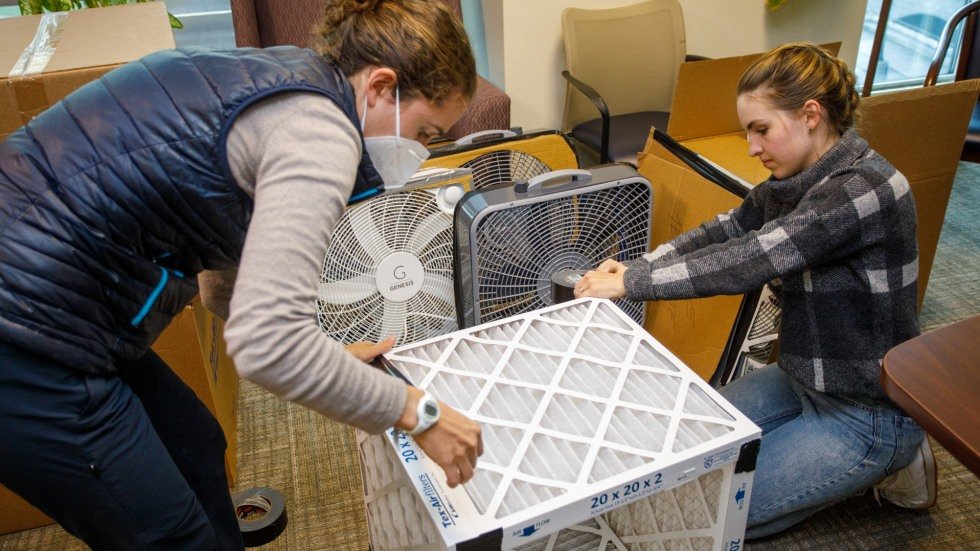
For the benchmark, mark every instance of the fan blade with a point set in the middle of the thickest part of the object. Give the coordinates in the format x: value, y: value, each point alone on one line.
x: 367, y: 233
x: 426, y: 231
x: 440, y: 287
x: 348, y: 291
x: 393, y: 320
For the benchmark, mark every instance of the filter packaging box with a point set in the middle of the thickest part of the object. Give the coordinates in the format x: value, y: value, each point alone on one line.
x: 588, y: 424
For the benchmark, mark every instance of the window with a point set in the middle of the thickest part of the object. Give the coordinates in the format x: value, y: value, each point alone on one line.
x: 206, y: 23
x: 912, y: 37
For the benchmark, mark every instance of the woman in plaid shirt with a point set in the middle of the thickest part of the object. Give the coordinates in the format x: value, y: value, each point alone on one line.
x: 834, y: 229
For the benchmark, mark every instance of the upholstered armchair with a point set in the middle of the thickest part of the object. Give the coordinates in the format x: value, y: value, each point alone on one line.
x: 261, y: 23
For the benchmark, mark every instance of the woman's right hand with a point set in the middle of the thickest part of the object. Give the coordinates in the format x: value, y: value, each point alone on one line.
x: 610, y: 266
x: 453, y: 442
x: 606, y: 281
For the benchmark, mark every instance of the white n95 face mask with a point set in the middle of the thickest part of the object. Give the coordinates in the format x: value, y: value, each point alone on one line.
x: 395, y: 158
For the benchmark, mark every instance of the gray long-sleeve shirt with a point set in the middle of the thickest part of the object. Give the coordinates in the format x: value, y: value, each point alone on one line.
x: 297, y: 155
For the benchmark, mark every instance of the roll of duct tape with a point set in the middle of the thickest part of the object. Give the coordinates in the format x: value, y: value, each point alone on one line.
x: 563, y: 284
x: 261, y: 515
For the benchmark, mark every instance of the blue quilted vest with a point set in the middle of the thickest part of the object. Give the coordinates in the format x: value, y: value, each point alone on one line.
x: 112, y: 200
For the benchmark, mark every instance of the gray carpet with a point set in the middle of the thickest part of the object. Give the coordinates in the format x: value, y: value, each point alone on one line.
x: 954, y: 284
x: 312, y: 461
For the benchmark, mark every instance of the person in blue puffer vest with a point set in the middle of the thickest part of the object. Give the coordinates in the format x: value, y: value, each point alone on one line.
x: 228, y: 167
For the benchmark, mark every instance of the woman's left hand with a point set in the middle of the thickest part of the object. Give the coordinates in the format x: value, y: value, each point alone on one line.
x: 366, y: 351
x: 601, y: 285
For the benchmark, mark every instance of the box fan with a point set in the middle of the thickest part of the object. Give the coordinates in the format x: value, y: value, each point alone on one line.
x: 756, y: 328
x: 499, y: 156
x: 511, y: 238
x: 388, y: 269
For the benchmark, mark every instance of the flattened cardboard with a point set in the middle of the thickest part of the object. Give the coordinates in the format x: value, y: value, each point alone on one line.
x: 90, y: 43
x: 221, y: 391
x: 18, y: 514
x: 704, y: 99
x: 685, y: 200
x: 921, y: 131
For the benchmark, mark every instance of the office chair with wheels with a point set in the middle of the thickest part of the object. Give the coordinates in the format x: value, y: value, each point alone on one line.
x: 262, y: 23
x: 622, y: 68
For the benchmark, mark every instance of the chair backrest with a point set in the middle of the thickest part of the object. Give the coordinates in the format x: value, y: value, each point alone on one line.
x: 629, y: 55
x: 262, y: 23
x: 937, y: 61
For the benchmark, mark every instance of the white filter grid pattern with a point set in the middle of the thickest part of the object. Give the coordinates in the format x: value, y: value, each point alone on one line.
x: 583, y: 333
x: 686, y: 517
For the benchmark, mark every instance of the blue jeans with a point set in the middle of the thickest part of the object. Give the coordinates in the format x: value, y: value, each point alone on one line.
x: 129, y: 461
x: 817, y: 450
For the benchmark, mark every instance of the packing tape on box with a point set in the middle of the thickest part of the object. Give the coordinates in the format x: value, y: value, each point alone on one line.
x: 261, y: 515
x: 30, y: 95
x: 39, y: 52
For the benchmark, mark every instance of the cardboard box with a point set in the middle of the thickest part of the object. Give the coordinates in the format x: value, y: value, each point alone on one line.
x: 221, y: 392
x: 45, y: 58
x: 193, y: 346
x: 18, y: 514
x: 921, y: 131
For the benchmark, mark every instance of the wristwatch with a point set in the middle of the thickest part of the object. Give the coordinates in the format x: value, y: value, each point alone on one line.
x: 428, y: 412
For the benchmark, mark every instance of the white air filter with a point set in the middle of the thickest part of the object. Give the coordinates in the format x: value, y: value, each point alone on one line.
x: 582, y: 413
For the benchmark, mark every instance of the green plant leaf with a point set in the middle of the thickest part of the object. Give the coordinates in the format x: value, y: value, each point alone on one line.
x: 30, y: 7
x: 174, y: 22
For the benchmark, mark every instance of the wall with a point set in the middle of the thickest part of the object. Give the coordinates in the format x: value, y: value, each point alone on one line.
x: 526, y: 55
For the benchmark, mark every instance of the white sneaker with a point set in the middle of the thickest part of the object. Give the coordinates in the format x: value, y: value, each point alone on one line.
x: 913, y: 487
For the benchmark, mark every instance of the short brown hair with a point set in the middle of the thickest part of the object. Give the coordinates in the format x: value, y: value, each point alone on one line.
x: 795, y: 73
x: 421, y: 40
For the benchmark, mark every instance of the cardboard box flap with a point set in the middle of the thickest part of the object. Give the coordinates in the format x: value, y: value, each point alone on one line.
x: 704, y: 98
x: 82, y: 38
x: 895, y: 123
x: 16, y: 33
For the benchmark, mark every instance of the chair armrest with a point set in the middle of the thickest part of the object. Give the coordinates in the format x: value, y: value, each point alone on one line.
x: 600, y: 104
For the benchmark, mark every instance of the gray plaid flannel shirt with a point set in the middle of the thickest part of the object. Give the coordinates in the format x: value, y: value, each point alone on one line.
x: 840, y: 236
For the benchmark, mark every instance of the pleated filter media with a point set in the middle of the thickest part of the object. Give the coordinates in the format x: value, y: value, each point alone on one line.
x: 595, y: 438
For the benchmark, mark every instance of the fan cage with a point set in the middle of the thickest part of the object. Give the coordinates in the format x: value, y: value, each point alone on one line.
x: 503, y: 167
x: 351, y: 308
x: 760, y: 339
x: 518, y: 249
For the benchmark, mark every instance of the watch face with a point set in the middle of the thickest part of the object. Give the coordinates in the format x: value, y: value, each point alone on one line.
x: 431, y: 409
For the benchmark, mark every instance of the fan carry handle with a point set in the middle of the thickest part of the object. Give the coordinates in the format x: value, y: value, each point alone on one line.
x: 535, y: 184
x: 484, y: 136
